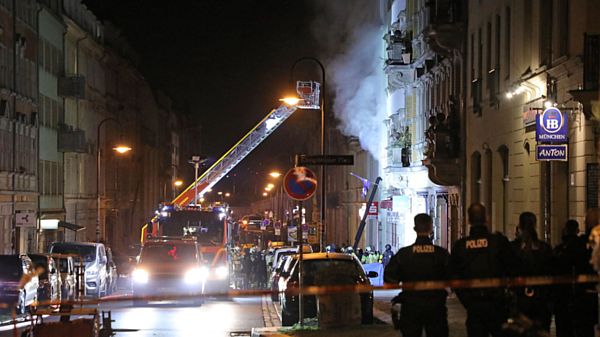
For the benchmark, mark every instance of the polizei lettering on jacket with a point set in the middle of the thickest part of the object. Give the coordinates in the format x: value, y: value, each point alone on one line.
x: 423, y: 249
x: 476, y: 244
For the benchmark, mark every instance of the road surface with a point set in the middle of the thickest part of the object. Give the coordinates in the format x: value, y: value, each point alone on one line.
x: 216, y: 317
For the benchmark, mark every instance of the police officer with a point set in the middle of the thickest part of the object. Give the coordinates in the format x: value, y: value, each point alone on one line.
x: 535, y: 259
x: 421, y: 261
x: 482, y: 255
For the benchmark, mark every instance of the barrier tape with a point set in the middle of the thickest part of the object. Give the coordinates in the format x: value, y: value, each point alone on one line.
x: 322, y: 290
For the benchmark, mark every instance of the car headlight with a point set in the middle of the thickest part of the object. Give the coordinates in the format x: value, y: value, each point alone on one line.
x: 222, y: 272
x: 139, y: 276
x: 196, y: 275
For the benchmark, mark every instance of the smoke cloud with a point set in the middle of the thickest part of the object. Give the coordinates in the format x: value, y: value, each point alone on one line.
x: 350, y: 34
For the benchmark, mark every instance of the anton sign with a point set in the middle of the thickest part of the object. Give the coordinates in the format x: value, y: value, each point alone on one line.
x: 551, y: 152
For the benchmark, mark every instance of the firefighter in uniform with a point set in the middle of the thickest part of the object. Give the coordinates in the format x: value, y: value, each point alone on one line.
x: 482, y: 255
x: 422, y: 261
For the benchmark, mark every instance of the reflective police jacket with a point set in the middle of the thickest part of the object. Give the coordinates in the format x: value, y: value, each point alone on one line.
x: 421, y: 261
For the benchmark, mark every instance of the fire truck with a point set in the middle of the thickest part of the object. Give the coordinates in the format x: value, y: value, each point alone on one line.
x: 210, y: 224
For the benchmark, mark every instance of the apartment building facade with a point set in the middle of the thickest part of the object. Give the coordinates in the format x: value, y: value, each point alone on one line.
x: 18, y: 125
x: 522, y: 58
x: 424, y: 64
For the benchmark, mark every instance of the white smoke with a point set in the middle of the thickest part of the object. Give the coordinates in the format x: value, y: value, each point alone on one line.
x: 351, y: 36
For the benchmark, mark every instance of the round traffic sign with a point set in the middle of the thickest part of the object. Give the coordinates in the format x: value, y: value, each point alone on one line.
x: 300, y: 183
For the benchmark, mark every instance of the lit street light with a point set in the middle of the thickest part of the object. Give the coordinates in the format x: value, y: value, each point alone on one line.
x: 121, y: 149
x: 275, y: 174
x: 265, y: 194
x: 323, y: 238
x: 178, y: 182
x: 227, y: 194
x: 291, y: 100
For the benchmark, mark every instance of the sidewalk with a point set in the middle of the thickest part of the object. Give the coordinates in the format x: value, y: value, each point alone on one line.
x: 456, y: 312
x: 381, y: 311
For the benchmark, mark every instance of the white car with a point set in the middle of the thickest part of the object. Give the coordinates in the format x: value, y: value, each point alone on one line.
x: 93, y: 257
x: 285, y: 251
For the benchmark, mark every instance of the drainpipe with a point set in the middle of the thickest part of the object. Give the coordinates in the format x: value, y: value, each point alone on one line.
x: 13, y: 234
x: 64, y: 101
x: 37, y: 125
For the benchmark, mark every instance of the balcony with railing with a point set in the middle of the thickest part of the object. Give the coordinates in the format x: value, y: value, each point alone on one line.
x: 590, y: 91
x: 443, y: 148
x: 446, y: 23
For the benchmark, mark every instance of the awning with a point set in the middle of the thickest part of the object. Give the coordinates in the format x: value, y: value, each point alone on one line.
x: 70, y: 226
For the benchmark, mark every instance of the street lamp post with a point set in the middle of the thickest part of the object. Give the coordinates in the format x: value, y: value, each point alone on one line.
x: 323, y: 238
x: 122, y: 149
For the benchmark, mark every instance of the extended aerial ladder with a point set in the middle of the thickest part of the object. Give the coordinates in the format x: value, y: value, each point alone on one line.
x: 309, y: 93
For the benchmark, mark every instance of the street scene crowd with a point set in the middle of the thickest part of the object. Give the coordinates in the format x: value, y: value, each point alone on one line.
x: 498, y: 311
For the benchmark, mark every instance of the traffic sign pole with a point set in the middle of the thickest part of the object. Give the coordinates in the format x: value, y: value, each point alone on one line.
x: 300, y: 266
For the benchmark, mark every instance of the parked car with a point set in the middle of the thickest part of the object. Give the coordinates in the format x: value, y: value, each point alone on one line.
x: 49, y: 287
x: 68, y: 278
x: 342, y: 269
x: 111, y: 271
x: 286, y: 251
x: 16, y: 270
x: 275, y: 274
x: 93, y: 256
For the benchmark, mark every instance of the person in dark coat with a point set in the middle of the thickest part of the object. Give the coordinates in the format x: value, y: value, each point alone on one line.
x: 482, y: 255
x: 535, y: 259
x: 563, y: 293
x: 387, y: 255
x: 421, y: 261
x: 585, y: 298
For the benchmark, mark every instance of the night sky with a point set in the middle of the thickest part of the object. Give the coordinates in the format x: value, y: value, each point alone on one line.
x: 226, y: 63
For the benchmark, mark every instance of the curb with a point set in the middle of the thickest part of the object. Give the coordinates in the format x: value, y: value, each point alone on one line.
x: 271, y: 316
x: 382, y: 316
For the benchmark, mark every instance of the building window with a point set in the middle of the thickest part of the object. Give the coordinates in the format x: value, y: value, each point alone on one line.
x: 507, y: 41
x: 563, y: 23
x: 479, y: 53
x: 472, y: 59
x: 489, y: 46
x: 50, y: 111
x: 475, y: 177
x: 51, y: 175
x: 545, y: 30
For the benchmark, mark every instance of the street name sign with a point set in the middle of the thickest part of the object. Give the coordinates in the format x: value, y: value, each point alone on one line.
x: 304, y: 159
x: 300, y: 183
x: 551, y: 127
x: 551, y: 152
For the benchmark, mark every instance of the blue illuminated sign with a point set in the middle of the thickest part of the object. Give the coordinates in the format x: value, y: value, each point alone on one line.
x: 551, y: 127
x: 551, y: 152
